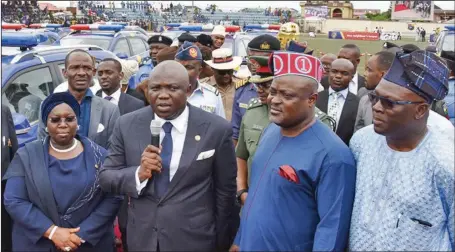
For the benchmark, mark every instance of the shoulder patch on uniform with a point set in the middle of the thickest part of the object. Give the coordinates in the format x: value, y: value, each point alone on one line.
x: 210, y: 88
x: 240, y: 83
x: 254, y: 103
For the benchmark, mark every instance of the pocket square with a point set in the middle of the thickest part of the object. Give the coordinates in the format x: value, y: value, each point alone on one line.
x: 205, y: 154
x: 288, y: 173
x: 100, y: 128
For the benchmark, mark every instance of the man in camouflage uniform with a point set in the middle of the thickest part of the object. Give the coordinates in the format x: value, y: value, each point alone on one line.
x: 262, y: 45
x: 255, y: 120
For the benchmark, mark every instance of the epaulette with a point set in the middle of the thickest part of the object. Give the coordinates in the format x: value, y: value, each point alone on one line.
x: 254, y: 103
x: 210, y: 88
x: 241, y: 83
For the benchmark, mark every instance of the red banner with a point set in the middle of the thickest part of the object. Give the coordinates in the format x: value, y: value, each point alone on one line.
x: 360, y: 35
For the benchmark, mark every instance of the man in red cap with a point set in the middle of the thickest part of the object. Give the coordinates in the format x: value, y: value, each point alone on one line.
x: 302, y: 176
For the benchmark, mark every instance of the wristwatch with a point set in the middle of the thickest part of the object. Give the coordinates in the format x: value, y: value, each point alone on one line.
x: 238, y: 195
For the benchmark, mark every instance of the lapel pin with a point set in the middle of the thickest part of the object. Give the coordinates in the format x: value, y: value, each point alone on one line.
x: 197, y: 138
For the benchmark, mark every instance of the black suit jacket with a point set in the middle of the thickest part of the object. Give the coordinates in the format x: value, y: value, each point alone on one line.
x: 345, y: 127
x: 195, y: 212
x: 9, y: 148
x: 127, y: 103
x: 361, y: 82
x: 137, y: 95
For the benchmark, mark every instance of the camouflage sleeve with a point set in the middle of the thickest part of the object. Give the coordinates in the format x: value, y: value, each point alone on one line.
x: 241, y: 150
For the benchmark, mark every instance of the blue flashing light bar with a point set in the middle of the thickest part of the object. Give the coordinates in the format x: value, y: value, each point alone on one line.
x: 173, y: 25
x: 254, y: 26
x: 94, y: 27
x: 190, y: 28
x: 22, y: 39
x: 450, y: 27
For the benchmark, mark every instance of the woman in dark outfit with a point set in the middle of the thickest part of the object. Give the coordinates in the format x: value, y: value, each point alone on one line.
x: 52, y: 191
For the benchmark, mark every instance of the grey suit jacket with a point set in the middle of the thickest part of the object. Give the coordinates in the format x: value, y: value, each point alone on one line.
x: 364, y: 114
x: 102, y: 112
x: 362, y: 91
x: 194, y: 213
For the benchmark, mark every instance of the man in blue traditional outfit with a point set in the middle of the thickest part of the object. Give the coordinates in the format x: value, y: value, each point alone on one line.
x: 303, y: 176
x: 405, y: 167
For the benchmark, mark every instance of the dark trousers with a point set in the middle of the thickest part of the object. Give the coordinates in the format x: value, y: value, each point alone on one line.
x: 124, y: 244
x: 7, y: 226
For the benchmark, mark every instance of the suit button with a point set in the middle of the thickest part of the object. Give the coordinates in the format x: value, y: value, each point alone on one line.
x: 155, y: 229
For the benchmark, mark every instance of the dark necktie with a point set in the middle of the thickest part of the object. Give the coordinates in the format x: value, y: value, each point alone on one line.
x: 108, y: 98
x: 163, y: 179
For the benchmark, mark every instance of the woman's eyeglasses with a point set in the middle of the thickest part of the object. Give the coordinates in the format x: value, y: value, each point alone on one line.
x: 62, y: 119
x: 387, y: 103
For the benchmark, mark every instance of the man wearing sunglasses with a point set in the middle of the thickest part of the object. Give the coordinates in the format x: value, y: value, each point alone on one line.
x: 223, y: 64
x: 404, y: 197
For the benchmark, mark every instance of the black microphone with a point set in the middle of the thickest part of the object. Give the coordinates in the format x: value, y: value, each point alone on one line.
x: 155, y: 129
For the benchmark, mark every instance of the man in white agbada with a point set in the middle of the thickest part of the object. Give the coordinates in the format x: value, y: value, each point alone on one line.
x: 405, y: 168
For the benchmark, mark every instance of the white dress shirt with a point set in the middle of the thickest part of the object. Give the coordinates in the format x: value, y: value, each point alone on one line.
x: 178, y: 133
x: 115, y: 96
x: 354, y: 84
x: 341, y: 100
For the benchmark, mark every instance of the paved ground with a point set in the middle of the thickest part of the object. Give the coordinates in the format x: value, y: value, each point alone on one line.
x: 325, y: 45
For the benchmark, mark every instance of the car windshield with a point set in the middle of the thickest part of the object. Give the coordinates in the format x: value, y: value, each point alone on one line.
x: 80, y: 40
x: 241, y: 45
x: 448, y: 44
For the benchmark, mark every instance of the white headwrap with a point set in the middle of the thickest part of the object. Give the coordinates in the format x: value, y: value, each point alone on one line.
x: 129, y: 68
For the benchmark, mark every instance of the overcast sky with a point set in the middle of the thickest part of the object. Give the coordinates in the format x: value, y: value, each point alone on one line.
x: 237, y: 5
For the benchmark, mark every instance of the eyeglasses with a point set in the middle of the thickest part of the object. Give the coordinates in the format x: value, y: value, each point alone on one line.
x: 69, y: 119
x: 387, y: 103
x: 224, y: 72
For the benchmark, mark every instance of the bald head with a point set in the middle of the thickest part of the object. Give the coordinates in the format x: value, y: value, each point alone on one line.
x: 168, y: 85
x: 170, y: 71
x: 326, y: 61
x: 329, y: 56
x: 344, y: 63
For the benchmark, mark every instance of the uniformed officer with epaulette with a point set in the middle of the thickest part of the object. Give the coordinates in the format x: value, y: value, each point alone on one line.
x: 200, y: 95
x: 156, y: 44
x: 262, y: 45
x: 255, y: 120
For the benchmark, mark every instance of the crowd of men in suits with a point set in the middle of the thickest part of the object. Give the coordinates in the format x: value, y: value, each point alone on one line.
x: 183, y: 195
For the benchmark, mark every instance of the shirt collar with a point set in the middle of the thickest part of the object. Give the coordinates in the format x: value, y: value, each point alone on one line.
x: 198, y: 88
x: 343, y: 92
x: 115, y: 95
x: 178, y: 123
x: 88, y: 93
x: 355, y: 78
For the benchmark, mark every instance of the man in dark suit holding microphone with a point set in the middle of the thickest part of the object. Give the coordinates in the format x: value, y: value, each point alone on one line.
x: 181, y: 196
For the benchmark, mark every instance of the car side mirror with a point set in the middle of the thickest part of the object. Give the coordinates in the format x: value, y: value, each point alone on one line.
x: 21, y: 123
